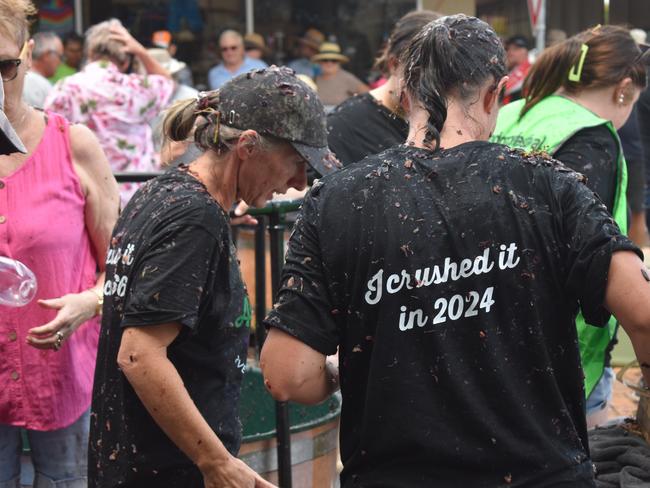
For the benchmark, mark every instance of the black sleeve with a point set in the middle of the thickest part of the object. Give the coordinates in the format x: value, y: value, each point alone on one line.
x: 592, y: 237
x: 303, y: 308
x: 594, y: 153
x: 340, y: 138
x: 172, y: 277
x: 643, y: 117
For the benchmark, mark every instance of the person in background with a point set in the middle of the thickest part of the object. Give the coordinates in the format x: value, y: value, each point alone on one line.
x: 255, y: 46
x: 175, y: 329
x: 518, y: 67
x: 578, y: 93
x: 73, y: 45
x: 371, y: 122
x: 46, y: 58
x: 181, y: 92
x: 234, y: 60
x: 335, y: 85
x: 58, y: 205
x: 164, y: 40
x: 308, y: 46
x: 450, y: 290
x: 555, y: 36
x: 116, y: 104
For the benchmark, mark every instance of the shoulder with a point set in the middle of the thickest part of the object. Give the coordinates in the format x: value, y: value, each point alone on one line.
x: 371, y: 172
x: 352, y: 105
x: 177, y: 197
x: 215, y: 70
x: 84, y: 145
x: 251, y: 63
x: 347, y: 76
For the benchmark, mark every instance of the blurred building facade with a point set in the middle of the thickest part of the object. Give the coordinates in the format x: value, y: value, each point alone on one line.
x: 359, y: 26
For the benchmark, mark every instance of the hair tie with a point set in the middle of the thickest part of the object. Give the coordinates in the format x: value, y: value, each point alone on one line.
x: 215, y: 138
x: 202, y: 101
x: 576, y: 70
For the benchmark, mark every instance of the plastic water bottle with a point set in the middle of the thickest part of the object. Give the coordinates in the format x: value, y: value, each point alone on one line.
x: 17, y: 283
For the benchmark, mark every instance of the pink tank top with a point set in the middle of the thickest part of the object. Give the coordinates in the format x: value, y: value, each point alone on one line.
x: 42, y: 225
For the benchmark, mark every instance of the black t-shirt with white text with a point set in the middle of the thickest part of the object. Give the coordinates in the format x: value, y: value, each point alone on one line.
x: 171, y: 260
x: 362, y: 126
x: 450, y: 282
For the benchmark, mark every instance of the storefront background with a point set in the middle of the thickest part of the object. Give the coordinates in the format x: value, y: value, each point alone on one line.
x: 359, y: 26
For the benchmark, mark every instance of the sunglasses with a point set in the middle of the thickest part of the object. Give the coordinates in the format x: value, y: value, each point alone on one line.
x: 229, y: 48
x: 9, y: 67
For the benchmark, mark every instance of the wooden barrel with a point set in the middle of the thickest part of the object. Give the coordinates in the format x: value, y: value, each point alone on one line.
x: 314, y: 435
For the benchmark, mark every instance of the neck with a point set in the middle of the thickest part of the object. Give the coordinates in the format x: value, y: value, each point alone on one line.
x: 599, y: 101
x: 235, y: 66
x: 459, y: 127
x: 16, y: 111
x: 388, y: 95
x: 37, y: 67
x: 219, y: 175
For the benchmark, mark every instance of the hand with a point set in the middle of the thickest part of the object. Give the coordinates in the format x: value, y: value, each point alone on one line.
x: 241, y: 217
x: 234, y: 473
x: 120, y: 34
x: 73, y: 310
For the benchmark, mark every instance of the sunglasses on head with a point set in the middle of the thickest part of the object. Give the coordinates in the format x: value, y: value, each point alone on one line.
x: 9, y: 67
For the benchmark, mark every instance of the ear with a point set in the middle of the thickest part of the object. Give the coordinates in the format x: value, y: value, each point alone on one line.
x: 246, y: 144
x: 491, y: 99
x: 28, y: 53
x: 624, y: 92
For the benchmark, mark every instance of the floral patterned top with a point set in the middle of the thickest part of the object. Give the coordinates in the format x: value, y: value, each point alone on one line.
x: 117, y: 108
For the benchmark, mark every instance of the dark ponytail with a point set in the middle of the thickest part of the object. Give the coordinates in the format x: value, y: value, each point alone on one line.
x: 401, y: 35
x: 609, y: 55
x: 456, y: 54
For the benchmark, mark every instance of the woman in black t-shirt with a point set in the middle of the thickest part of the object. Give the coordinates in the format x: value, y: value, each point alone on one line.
x: 578, y: 93
x: 370, y: 122
x: 450, y: 289
x: 175, y: 329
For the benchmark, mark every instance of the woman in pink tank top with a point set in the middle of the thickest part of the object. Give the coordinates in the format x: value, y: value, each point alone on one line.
x: 58, y: 205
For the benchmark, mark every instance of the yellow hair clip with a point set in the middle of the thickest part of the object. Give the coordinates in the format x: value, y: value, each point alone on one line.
x: 576, y: 70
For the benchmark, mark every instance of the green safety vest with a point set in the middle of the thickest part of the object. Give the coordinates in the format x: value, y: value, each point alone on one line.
x: 545, y: 127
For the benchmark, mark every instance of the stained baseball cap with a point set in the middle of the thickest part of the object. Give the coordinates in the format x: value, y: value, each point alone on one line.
x: 275, y: 102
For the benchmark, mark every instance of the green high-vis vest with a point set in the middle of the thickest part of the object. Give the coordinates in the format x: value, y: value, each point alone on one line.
x: 545, y: 127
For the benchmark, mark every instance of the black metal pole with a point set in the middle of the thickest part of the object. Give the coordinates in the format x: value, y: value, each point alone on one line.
x: 260, y: 282
x: 282, y: 426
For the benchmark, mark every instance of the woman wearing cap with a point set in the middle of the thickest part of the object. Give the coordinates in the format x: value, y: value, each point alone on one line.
x: 578, y: 93
x: 334, y: 83
x: 175, y: 330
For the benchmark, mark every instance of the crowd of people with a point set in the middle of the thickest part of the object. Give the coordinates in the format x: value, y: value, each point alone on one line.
x: 459, y: 267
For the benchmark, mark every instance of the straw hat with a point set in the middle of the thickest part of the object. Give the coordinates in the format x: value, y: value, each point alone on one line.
x: 312, y: 38
x: 254, y: 40
x: 330, y: 51
x: 172, y: 65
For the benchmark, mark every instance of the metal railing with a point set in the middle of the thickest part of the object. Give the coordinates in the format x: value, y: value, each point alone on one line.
x: 275, y: 213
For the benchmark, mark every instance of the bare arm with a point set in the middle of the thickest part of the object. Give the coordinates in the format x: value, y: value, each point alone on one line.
x: 628, y: 298
x: 294, y: 371
x: 132, y: 46
x: 101, y: 211
x: 143, y: 359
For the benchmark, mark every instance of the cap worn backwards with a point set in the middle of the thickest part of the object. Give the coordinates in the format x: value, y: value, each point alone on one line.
x: 274, y: 102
